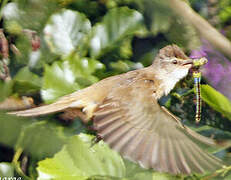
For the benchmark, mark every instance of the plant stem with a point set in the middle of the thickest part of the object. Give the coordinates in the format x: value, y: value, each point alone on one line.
x: 207, y: 31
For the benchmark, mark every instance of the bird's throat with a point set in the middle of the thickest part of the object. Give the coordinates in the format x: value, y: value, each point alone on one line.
x: 168, y: 81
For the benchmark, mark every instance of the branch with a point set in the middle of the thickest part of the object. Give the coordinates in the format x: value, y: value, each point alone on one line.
x: 219, y: 41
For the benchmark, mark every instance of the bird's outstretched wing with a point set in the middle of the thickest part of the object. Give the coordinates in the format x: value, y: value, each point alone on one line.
x: 135, y: 125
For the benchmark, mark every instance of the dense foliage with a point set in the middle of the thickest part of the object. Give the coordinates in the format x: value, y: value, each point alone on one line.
x: 52, y: 48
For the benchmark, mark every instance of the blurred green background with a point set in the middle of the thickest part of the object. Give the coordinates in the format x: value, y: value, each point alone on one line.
x: 52, y: 48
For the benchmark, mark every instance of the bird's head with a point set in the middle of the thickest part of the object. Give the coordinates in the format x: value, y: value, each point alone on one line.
x: 172, y: 61
x: 171, y: 64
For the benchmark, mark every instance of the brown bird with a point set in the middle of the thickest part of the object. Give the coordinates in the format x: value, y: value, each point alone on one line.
x: 127, y: 116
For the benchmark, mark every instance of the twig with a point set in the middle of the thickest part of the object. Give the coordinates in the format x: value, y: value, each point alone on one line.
x: 35, y: 40
x: 4, y: 45
x: 219, y: 41
x: 15, y: 50
x: 4, y: 50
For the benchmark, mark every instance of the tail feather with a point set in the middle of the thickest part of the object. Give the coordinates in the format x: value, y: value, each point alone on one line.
x: 63, y: 103
x: 42, y: 110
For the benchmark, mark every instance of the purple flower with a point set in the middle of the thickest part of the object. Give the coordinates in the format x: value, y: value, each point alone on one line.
x: 197, y: 54
x: 218, y: 69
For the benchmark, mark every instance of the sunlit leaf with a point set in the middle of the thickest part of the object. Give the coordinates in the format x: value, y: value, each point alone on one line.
x: 64, y: 77
x: 6, y: 170
x: 58, y: 80
x: 66, y: 31
x: 79, y: 160
x: 116, y: 25
x: 216, y: 100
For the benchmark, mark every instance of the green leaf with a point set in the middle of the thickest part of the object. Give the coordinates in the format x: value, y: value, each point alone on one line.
x: 225, y: 10
x: 23, y: 43
x: 64, y: 77
x: 135, y: 172
x: 26, y: 81
x: 38, y: 138
x: 157, y: 13
x: 216, y: 100
x: 183, y: 34
x: 161, y: 19
x: 124, y: 66
x: 6, y: 89
x: 79, y: 160
x: 10, y: 128
x: 41, y: 139
x: 6, y: 170
x: 58, y: 81
x: 33, y: 14
x: 66, y: 31
x: 117, y: 24
x: 92, y: 9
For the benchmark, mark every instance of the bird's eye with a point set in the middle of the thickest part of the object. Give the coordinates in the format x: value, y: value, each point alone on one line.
x: 174, y: 61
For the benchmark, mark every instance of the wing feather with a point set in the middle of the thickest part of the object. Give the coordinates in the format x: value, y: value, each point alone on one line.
x: 136, y: 126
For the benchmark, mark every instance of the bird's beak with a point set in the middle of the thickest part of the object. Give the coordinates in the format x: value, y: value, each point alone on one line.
x: 195, y: 62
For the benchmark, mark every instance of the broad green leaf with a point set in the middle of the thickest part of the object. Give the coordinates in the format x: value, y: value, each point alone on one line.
x: 161, y: 19
x: 11, y: 13
x: 38, y: 138
x: 41, y: 139
x: 66, y: 31
x: 58, y: 81
x: 216, y: 100
x: 80, y: 160
x: 26, y: 82
x: 64, y: 77
x: 157, y: 13
x: 183, y: 34
x: 6, y: 170
x: 225, y: 10
x: 116, y: 26
x: 6, y: 89
x: 135, y: 172
x: 85, y: 68
x: 10, y: 128
x: 33, y: 14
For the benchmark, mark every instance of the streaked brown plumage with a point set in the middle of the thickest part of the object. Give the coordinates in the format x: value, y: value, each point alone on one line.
x: 127, y: 116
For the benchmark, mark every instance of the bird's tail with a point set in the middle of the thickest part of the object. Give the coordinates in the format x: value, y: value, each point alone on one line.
x: 68, y: 101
